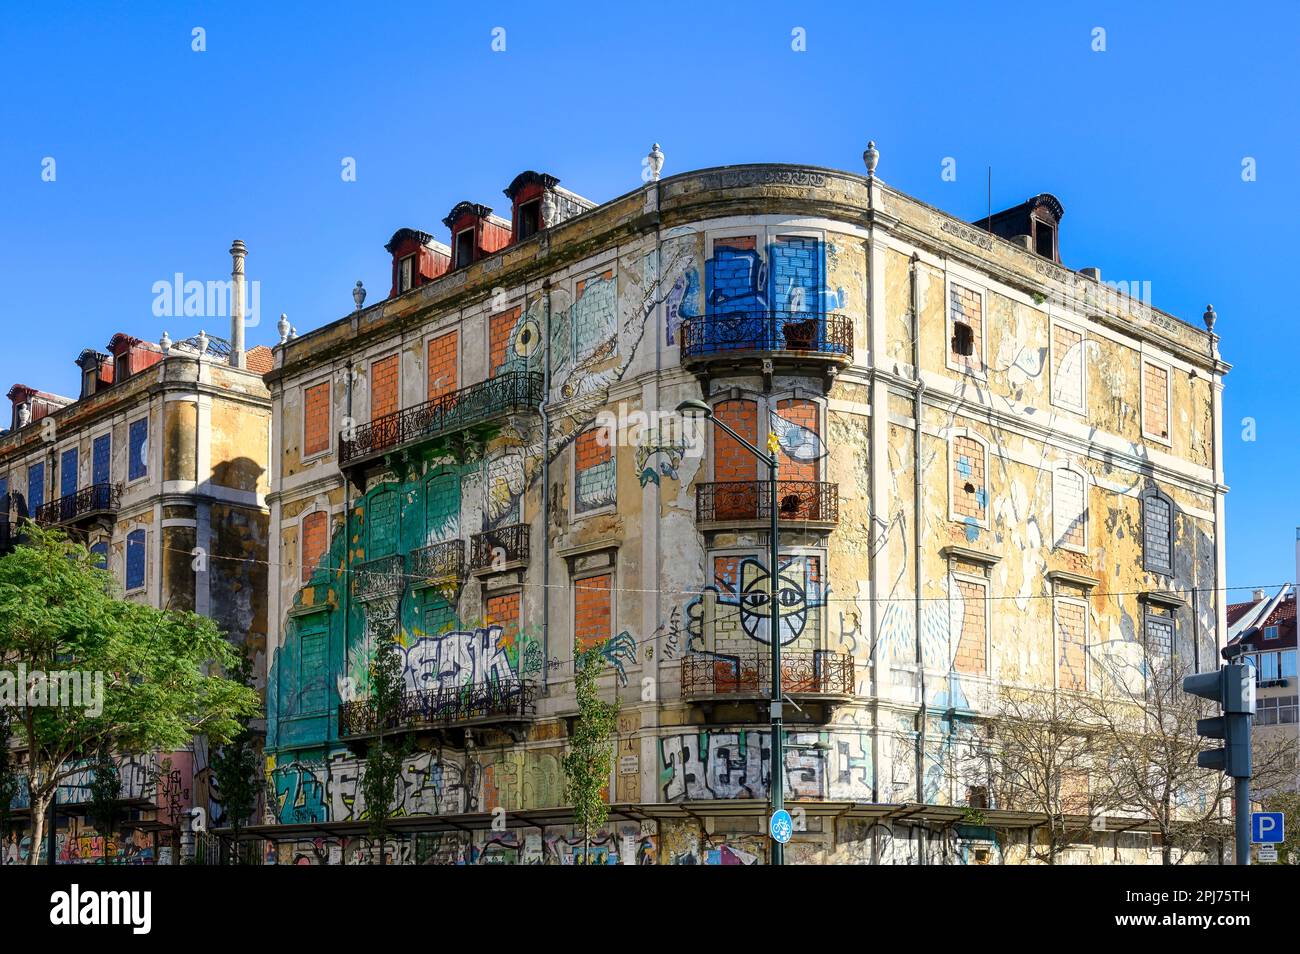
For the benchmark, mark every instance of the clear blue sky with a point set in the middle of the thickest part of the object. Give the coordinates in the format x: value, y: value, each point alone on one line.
x: 163, y: 155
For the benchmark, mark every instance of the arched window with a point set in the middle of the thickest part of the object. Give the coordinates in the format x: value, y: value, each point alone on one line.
x: 1070, y: 508
x: 135, y: 560
x: 1157, y: 533
x: 968, y: 469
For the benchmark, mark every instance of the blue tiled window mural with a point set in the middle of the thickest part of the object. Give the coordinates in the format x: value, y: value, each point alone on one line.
x: 68, y: 473
x: 35, y: 487
x: 139, y: 449
x: 100, y: 550
x: 135, y: 559
x: 100, y: 457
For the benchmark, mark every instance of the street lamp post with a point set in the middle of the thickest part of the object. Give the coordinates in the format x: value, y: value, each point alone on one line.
x: 776, y: 788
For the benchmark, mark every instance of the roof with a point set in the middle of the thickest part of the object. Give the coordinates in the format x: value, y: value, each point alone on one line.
x: 1282, y: 615
x: 260, y: 359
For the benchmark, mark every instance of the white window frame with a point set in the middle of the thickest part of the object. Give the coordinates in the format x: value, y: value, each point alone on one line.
x: 1057, y: 541
x: 949, y: 279
x: 455, y: 248
x: 955, y: 577
x: 574, y: 513
x: 1052, y: 394
x: 1169, y: 399
x: 328, y: 380
x: 953, y: 515
x: 1082, y: 602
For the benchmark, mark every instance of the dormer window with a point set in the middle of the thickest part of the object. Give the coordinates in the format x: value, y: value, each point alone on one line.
x: 1044, y: 239
x: 464, y: 248
x: 530, y: 219
x: 1270, y: 632
x: 406, y: 274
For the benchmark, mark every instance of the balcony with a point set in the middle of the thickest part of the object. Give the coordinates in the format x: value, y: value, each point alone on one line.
x: 794, y: 340
x: 379, y: 579
x: 818, y: 675
x: 456, y: 423
x: 744, y: 502
x: 474, y: 704
x: 441, y: 565
x: 501, y: 549
x: 96, y: 502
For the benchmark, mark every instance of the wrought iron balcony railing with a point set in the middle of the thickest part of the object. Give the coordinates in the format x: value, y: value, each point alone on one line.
x: 810, y: 500
x: 86, y: 502
x: 500, y: 546
x: 479, y: 703
x: 378, y: 579
x: 749, y: 674
x: 507, y: 393
x: 440, y: 563
x: 804, y: 332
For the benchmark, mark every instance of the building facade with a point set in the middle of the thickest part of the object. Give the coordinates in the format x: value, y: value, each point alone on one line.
x: 160, y: 466
x: 995, y: 471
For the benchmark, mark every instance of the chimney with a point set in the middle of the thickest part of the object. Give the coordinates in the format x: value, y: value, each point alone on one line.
x: 1038, y: 217
x: 1093, y: 273
x: 1258, y: 595
x: 237, y: 253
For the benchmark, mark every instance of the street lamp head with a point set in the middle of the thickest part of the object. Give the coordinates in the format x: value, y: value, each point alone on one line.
x: 694, y: 409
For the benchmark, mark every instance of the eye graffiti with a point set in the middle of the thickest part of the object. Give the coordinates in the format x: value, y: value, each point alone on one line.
x: 743, y: 599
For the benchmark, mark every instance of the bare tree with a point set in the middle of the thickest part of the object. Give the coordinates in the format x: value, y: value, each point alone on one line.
x: 1149, y: 724
x: 1046, y: 759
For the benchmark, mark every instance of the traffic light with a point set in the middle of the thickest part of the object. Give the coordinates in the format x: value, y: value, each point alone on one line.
x: 1233, y: 687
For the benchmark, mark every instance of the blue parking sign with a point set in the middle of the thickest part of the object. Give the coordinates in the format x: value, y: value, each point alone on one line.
x: 1267, y: 828
x: 781, y: 826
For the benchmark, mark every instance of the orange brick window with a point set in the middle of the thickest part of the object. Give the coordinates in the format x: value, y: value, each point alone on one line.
x: 316, y: 419
x: 972, y: 647
x: 315, y: 541
x: 731, y: 461
x: 969, y: 478
x: 965, y: 308
x: 803, y: 413
x: 1067, y: 366
x: 592, y: 610
x: 441, y: 365
x: 503, y: 611
x: 1155, y: 400
x: 1072, y: 642
x: 500, y: 328
x: 595, y: 483
x: 383, y: 387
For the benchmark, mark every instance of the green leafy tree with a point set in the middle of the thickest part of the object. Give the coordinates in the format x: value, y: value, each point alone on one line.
x: 383, y: 759
x: 162, y: 672
x: 235, y: 764
x: 590, y: 757
x: 105, y: 810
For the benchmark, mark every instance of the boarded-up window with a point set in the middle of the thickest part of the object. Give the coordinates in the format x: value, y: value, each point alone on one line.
x: 1069, y: 509
x: 315, y: 540
x: 966, y: 324
x: 1160, y: 636
x: 1157, y: 533
x: 969, y: 478
x: 135, y: 559
x: 594, y: 478
x: 35, y: 487
x: 1072, y: 643
x: 312, y: 696
x: 383, y: 387
x: 316, y: 419
x: 382, y: 521
x: 138, y: 447
x: 442, y: 365
x: 802, y: 413
x: 592, y: 610
x: 1155, y: 400
x: 500, y: 332
x: 1067, y: 367
x: 503, y: 611
x: 972, y: 640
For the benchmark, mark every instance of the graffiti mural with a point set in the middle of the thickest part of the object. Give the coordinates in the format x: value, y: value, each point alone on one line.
x: 457, y: 659
x: 742, y: 593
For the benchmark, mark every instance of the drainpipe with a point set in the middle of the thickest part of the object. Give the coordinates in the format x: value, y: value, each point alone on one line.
x: 546, y: 488
x: 346, y: 598
x: 917, y: 411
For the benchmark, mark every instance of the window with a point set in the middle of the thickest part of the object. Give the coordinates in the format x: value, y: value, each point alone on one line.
x: 1070, y: 508
x: 101, y: 457
x: 1159, y: 636
x: 1270, y: 632
x: 1266, y: 667
x: 530, y: 219
x: 464, y: 247
x: 316, y: 419
x: 442, y: 366
x: 1068, y: 378
x: 970, y: 622
x: 1157, y: 533
x: 138, y: 450
x: 1045, y: 240
x: 501, y: 328
x: 503, y: 610
x: 381, y: 518
x: 35, y: 487
x: 100, y: 550
x: 1286, y: 668
x: 593, y: 600
x: 135, y: 560
x: 405, y: 274
x: 313, y: 666
x: 383, y: 387
x: 594, y: 471
x: 1071, y: 616
x: 968, y: 480
x: 1278, y: 710
x: 314, y: 542
x: 1155, y: 401
x: 966, y: 328
x: 68, y: 473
